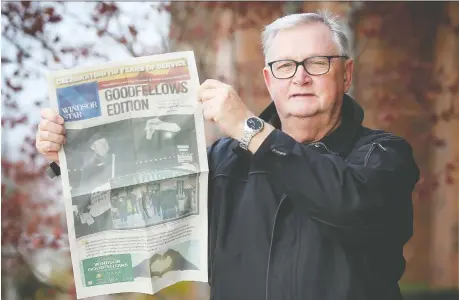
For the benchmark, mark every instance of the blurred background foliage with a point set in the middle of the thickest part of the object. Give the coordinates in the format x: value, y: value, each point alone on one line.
x: 406, y: 78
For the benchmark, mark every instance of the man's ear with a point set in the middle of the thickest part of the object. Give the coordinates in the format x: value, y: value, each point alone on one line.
x: 348, y: 71
x: 268, y: 78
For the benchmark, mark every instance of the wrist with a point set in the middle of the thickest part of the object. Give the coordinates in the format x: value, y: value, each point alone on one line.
x: 260, y: 137
x: 251, y: 127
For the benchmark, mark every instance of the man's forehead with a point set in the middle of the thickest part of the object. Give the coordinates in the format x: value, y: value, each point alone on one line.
x: 303, y: 41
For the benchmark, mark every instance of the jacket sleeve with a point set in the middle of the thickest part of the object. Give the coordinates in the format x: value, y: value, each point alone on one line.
x: 366, y: 195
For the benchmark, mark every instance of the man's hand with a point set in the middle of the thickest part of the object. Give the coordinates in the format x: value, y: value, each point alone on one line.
x: 50, y: 134
x: 222, y: 105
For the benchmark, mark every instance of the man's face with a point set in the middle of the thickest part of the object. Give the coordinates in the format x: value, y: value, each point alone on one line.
x: 100, y: 147
x: 305, y: 95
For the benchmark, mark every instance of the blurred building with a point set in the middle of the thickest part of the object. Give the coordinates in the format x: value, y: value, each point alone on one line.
x: 406, y: 78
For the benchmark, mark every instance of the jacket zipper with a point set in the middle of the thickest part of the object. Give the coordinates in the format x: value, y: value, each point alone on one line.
x: 373, y: 147
x: 271, y: 244
x: 318, y: 144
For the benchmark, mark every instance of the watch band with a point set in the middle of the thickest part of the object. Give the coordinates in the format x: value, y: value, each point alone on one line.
x: 245, y: 140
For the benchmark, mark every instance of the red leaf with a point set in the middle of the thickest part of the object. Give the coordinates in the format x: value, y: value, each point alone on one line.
x: 122, y: 40
x: 105, y: 8
x: 38, y: 242
x: 49, y: 11
x: 25, y: 4
x: 54, y: 244
x: 57, y: 232
x: 84, y: 52
x: 22, y: 120
x: 132, y: 30
x: 37, y: 26
x: 55, y: 19
x: 31, y: 228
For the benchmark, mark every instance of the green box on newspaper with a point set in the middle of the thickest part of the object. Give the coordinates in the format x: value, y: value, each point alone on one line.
x: 108, y: 269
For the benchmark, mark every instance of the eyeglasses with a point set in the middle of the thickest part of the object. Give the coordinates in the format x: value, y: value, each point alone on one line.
x: 316, y: 65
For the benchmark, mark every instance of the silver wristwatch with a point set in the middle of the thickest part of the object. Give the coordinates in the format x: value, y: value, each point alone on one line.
x: 252, y: 126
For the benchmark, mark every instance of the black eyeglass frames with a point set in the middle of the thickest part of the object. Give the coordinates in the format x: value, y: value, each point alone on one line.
x: 316, y: 65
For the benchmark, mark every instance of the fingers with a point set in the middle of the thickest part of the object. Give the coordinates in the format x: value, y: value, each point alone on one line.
x: 208, y: 111
x: 211, y: 83
x: 53, y: 156
x: 208, y: 89
x: 47, y: 146
x: 47, y: 125
x: 51, y: 115
x: 51, y: 137
x: 205, y: 95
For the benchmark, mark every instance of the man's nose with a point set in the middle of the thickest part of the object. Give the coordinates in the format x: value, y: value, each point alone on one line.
x: 301, y: 76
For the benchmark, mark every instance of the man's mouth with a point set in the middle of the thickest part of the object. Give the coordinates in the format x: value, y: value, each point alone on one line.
x: 302, y: 95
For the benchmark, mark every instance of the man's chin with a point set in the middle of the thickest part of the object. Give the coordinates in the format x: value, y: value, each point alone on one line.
x: 300, y: 109
x: 302, y: 113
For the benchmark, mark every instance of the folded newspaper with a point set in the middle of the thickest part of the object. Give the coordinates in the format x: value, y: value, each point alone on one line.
x: 134, y: 173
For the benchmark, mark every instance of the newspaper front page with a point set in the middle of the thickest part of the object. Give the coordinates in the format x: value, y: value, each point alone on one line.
x: 134, y: 173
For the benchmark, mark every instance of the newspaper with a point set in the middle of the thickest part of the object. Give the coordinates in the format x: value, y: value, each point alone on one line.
x: 134, y: 173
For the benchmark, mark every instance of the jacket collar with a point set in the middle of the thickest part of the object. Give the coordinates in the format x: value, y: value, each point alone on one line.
x: 342, y: 139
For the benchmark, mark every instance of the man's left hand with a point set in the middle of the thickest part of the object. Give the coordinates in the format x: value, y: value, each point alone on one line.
x: 222, y: 105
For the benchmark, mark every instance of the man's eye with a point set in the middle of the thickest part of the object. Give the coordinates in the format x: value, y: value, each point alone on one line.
x: 285, y: 65
x: 319, y: 62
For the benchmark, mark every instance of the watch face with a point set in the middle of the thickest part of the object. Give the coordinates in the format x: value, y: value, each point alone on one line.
x: 254, y: 123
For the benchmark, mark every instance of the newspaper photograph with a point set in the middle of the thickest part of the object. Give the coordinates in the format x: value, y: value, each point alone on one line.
x: 134, y: 173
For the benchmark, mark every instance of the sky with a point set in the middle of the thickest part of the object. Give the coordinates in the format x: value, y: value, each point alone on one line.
x: 151, y: 26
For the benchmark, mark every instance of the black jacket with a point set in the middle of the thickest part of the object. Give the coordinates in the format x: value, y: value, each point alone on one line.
x: 319, y: 221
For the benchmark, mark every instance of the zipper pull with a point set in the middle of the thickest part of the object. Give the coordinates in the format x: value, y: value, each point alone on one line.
x: 381, y: 146
x: 370, y: 151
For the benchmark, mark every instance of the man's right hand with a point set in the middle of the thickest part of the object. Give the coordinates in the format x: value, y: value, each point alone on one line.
x: 50, y: 134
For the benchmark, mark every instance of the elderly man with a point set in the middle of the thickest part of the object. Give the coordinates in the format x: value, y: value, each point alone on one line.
x: 304, y: 202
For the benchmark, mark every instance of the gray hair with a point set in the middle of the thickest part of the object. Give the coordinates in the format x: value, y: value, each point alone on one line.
x: 290, y: 21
